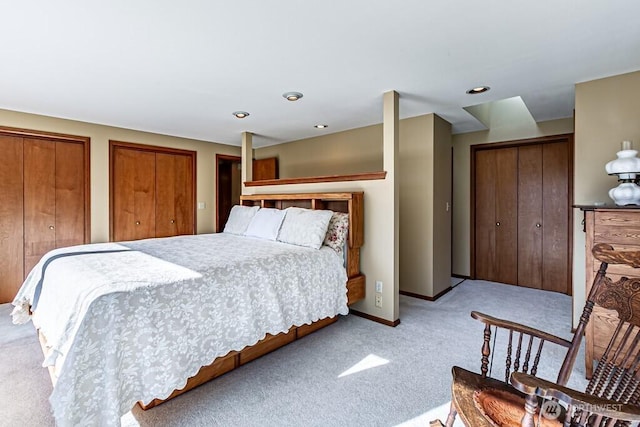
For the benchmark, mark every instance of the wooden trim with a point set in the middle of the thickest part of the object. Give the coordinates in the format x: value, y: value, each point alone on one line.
x: 472, y: 213
x: 367, y: 176
x: 86, y: 145
x: 303, y: 196
x: 27, y: 133
x: 151, y: 148
x: 217, y: 225
x: 113, y: 144
x: 520, y: 142
x: 570, y: 213
x: 425, y: 297
x: 87, y: 190
x: 460, y: 276
x: 375, y: 319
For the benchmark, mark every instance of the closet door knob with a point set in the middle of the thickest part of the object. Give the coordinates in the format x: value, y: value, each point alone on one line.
x: 498, y: 224
x: 137, y: 222
x: 173, y: 221
x: 538, y: 225
x: 51, y: 227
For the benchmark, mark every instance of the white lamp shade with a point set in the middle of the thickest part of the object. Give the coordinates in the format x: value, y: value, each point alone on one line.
x: 626, y: 166
x: 627, y: 193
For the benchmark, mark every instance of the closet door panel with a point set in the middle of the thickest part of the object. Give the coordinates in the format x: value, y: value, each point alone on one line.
x: 39, y: 200
x: 11, y: 217
x: 174, y: 189
x: 555, y: 249
x: 70, y: 203
x: 485, y: 218
x: 123, y: 201
x: 184, y: 202
x: 506, y: 189
x: 165, y: 195
x: 134, y: 194
x: 530, y: 224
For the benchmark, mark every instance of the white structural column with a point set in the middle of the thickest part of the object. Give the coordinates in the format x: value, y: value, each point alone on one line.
x: 247, y: 159
x: 391, y: 143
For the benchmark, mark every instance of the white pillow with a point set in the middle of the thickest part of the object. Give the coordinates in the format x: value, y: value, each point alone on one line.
x: 239, y: 219
x: 266, y: 223
x: 305, y: 227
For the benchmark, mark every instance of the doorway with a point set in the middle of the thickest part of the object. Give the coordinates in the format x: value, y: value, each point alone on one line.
x: 521, y: 216
x: 228, y: 187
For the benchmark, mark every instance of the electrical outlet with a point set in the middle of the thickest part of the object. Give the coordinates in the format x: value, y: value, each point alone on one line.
x: 378, y: 286
x: 379, y: 301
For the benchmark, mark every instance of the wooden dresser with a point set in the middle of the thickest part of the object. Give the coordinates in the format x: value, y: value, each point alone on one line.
x: 619, y: 227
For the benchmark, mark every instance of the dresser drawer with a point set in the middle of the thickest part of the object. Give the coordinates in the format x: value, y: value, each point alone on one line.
x: 616, y: 227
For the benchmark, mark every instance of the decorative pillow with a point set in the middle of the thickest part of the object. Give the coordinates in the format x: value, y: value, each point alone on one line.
x: 337, y: 231
x: 305, y: 227
x: 239, y: 219
x: 266, y: 223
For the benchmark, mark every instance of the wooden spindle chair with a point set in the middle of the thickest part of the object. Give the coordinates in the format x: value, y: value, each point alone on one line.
x: 612, y: 396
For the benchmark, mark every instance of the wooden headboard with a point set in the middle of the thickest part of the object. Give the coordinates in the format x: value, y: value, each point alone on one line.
x: 350, y: 202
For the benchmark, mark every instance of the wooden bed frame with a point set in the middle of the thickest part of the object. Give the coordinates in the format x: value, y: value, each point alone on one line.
x: 349, y: 202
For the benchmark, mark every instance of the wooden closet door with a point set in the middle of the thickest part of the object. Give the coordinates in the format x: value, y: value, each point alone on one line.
x: 54, y: 197
x: 485, y: 212
x: 555, y: 217
x: 11, y: 217
x: 39, y: 200
x: 69, y: 193
x: 496, y: 215
x: 530, y: 223
x: 165, y: 195
x: 174, y: 195
x: 506, y: 215
x: 134, y: 200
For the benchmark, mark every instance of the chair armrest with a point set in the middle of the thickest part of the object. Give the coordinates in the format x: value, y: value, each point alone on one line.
x: 517, y: 327
x: 596, y: 405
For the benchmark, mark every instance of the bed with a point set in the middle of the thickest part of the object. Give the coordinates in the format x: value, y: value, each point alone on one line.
x: 145, y: 321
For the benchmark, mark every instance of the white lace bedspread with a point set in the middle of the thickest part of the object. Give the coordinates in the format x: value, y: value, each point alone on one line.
x: 133, y: 326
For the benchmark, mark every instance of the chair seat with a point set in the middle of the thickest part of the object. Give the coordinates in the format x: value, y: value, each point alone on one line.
x: 487, y: 402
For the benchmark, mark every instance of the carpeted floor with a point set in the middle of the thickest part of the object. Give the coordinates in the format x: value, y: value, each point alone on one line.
x: 353, y: 373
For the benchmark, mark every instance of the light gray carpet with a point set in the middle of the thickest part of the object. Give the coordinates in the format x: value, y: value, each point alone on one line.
x: 302, y: 385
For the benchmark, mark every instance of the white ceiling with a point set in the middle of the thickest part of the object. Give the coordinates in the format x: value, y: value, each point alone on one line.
x: 182, y: 67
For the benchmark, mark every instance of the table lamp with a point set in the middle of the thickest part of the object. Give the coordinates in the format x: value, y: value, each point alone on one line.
x: 627, y: 168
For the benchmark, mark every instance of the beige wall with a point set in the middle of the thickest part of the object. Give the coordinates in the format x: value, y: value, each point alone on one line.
x: 607, y: 112
x: 425, y: 194
x: 461, y: 251
x: 100, y: 136
x: 442, y: 206
x: 348, y: 152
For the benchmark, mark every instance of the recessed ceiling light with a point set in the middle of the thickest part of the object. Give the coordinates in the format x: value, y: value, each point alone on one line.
x: 292, y: 96
x: 478, y: 89
x: 321, y: 126
x: 240, y: 114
